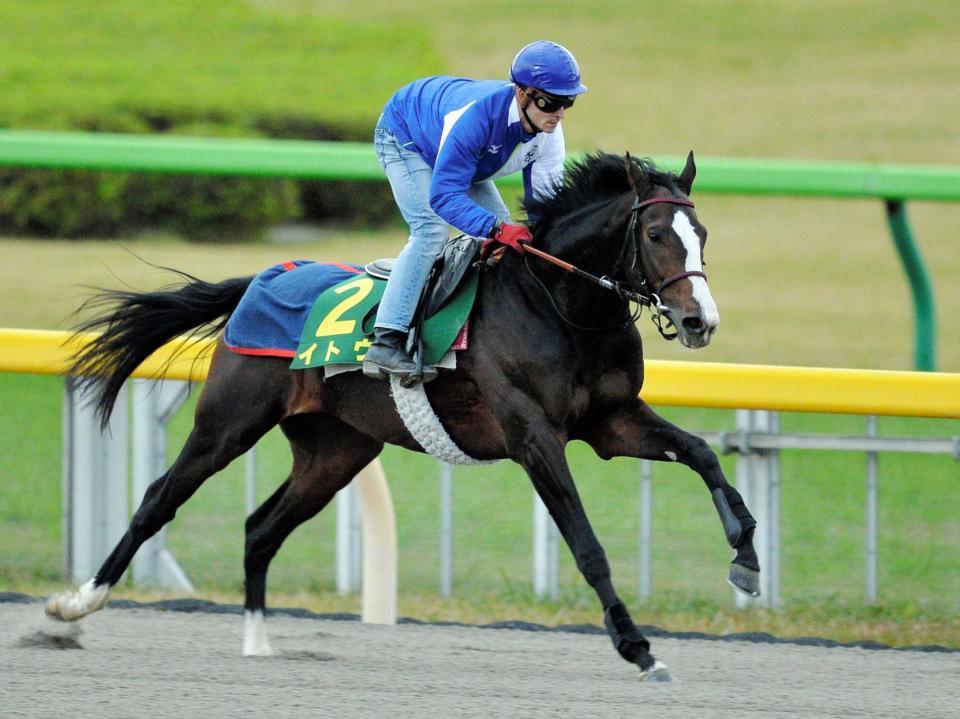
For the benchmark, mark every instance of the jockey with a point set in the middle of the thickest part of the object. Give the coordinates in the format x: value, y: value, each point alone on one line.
x: 441, y: 142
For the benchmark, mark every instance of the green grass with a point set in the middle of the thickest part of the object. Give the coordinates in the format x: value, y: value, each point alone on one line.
x: 805, y: 282
x: 859, y: 80
x: 799, y: 281
x: 822, y: 515
x: 225, y: 62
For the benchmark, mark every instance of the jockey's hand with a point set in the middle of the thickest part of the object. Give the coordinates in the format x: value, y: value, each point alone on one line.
x: 513, y: 236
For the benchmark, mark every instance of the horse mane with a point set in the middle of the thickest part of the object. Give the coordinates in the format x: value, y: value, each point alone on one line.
x: 595, y: 178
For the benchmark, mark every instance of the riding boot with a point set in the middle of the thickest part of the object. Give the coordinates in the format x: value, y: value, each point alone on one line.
x: 388, y: 355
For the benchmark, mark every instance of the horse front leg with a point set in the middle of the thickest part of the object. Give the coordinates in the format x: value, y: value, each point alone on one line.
x: 638, y: 431
x: 543, y: 458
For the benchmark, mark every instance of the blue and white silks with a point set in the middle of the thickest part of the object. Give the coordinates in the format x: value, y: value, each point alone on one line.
x: 469, y: 131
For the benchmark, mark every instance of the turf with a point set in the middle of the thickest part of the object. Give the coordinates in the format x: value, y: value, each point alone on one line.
x: 806, y: 282
x: 230, y: 62
x: 822, y: 510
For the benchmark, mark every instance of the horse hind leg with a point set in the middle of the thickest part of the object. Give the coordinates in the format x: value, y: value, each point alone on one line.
x: 223, y: 430
x: 159, y: 505
x: 327, y: 454
x: 72, y: 605
x: 198, y: 461
x: 160, y: 502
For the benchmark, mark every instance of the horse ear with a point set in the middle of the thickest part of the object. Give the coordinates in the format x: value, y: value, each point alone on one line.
x: 638, y: 181
x: 685, y: 181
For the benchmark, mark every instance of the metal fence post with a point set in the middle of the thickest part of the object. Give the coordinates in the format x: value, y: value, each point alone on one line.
x: 154, y: 402
x: 446, y: 529
x: 545, y: 552
x: 379, y: 532
x: 871, y: 519
x: 758, y: 480
x: 924, y: 308
x: 348, y: 541
x: 646, y: 528
x: 95, y: 487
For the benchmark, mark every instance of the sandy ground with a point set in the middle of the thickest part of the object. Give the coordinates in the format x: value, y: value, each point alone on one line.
x: 141, y: 662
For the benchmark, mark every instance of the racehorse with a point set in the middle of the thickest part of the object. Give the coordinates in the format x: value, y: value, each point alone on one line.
x: 554, y: 356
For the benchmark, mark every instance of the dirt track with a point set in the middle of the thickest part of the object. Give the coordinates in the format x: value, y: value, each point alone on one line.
x: 145, y: 663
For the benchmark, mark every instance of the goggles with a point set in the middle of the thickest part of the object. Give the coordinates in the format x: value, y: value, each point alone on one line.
x: 550, y: 103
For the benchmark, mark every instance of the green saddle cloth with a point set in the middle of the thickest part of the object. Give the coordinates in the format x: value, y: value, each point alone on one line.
x: 340, y: 326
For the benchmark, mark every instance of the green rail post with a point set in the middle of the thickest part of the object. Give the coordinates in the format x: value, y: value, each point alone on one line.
x: 924, y: 314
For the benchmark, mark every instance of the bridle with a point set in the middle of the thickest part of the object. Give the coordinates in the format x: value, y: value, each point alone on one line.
x: 649, y: 296
x: 633, y: 233
x: 644, y: 295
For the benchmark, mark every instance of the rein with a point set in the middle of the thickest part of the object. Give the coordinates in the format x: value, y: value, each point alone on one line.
x: 604, y: 282
x: 647, y: 297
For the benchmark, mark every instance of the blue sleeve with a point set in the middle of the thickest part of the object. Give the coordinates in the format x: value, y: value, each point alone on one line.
x: 453, y: 175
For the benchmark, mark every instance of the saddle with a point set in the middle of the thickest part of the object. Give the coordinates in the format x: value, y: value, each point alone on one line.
x: 456, y: 263
x: 340, y: 323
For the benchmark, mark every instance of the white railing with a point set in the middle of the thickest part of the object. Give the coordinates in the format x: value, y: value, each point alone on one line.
x: 93, y: 492
x: 97, y: 505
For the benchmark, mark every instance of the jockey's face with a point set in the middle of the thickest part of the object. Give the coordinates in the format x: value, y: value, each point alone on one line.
x: 545, y: 111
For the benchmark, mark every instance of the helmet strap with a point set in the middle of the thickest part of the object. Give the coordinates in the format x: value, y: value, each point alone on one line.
x: 523, y: 109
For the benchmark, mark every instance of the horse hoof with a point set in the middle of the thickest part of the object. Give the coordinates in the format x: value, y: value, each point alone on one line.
x: 255, y: 642
x: 744, y: 580
x: 52, y: 608
x: 70, y: 606
x: 257, y: 652
x: 657, y: 674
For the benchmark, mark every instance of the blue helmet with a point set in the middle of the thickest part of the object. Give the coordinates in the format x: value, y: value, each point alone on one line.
x: 548, y: 67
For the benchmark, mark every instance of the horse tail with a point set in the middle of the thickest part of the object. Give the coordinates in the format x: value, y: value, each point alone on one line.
x: 132, y: 325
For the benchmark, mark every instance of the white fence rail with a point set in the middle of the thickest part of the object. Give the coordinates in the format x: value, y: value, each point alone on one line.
x: 94, y: 489
x: 97, y: 492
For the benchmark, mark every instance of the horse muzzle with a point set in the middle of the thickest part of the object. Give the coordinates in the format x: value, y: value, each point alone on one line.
x: 695, y: 330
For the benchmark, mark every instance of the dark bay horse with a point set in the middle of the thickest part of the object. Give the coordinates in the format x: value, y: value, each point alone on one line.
x: 553, y: 357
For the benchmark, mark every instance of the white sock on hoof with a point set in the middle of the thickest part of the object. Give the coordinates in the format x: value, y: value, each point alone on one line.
x: 657, y: 673
x: 70, y: 606
x: 255, y: 643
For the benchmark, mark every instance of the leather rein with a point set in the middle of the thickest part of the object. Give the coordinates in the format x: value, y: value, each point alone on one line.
x: 644, y: 295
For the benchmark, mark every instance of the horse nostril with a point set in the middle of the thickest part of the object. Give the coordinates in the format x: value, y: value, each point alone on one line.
x: 694, y: 325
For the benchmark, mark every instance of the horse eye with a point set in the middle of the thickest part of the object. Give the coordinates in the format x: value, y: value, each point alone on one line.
x: 653, y: 235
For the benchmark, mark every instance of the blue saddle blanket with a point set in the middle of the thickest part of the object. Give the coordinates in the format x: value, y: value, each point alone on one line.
x: 272, y: 312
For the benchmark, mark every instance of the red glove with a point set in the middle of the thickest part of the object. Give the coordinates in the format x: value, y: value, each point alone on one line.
x: 510, y: 235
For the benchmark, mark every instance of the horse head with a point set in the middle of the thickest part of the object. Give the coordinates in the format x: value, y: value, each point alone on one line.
x: 663, y: 254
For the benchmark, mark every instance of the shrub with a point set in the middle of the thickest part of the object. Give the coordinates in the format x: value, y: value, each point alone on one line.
x: 61, y: 203
x: 74, y: 203
x: 230, y: 68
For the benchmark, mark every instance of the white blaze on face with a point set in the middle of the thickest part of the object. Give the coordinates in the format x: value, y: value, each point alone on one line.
x: 701, y: 293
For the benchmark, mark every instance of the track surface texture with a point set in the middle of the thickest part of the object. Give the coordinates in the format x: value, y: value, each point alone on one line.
x: 123, y: 662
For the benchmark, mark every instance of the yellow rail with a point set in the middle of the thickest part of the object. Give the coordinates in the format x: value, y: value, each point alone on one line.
x: 49, y: 352
x: 689, y: 384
